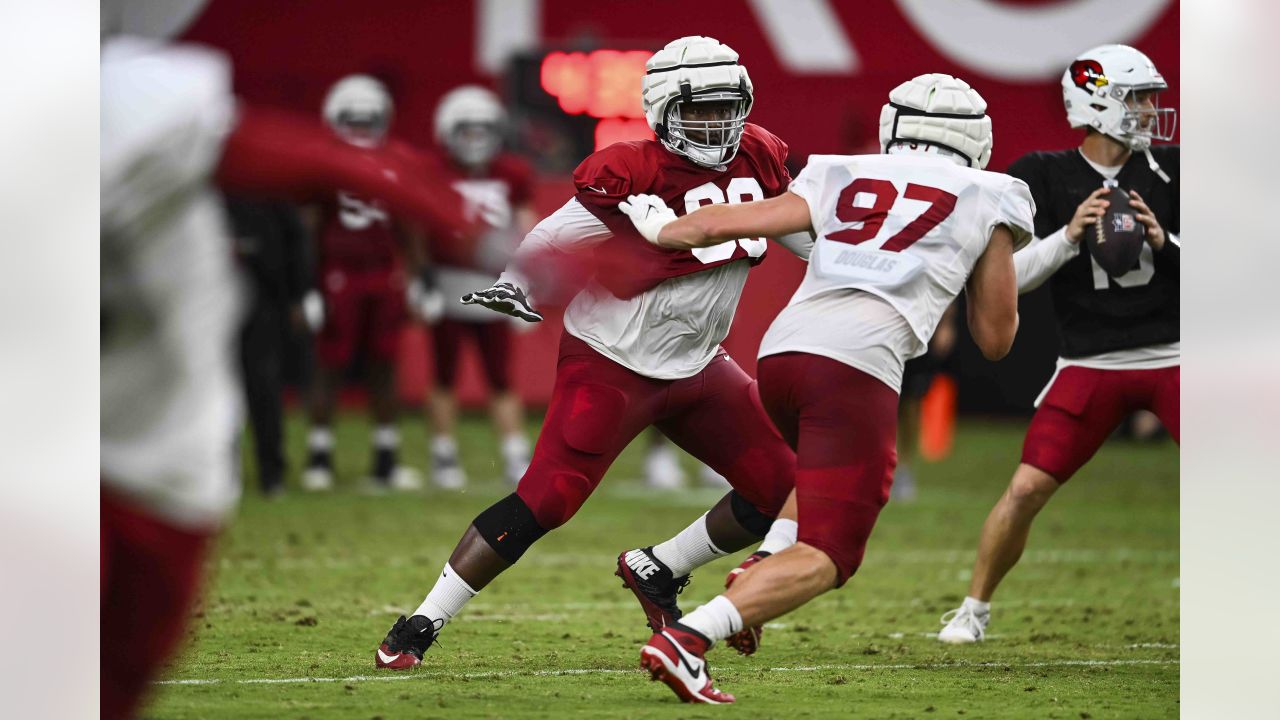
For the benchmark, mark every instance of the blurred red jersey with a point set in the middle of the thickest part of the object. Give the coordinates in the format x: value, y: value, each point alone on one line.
x: 489, y: 198
x: 627, y: 264
x: 358, y: 232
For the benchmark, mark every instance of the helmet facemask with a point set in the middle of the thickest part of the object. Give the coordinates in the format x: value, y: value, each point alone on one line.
x: 362, y: 127
x: 1144, y: 120
x: 474, y: 144
x: 706, y: 127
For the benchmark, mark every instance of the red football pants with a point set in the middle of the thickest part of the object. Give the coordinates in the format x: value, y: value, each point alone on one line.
x: 1084, y: 406
x: 150, y: 576
x: 598, y: 407
x: 361, y: 306
x: 843, y: 424
x: 492, y: 341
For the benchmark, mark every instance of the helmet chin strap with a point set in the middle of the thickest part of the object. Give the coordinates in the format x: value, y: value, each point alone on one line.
x: 1155, y: 166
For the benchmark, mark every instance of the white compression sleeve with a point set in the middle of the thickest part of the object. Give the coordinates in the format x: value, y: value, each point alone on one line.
x: 569, y: 229
x: 1041, y: 259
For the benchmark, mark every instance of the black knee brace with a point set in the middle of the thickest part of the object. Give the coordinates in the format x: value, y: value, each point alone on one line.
x: 509, y: 527
x: 751, y: 519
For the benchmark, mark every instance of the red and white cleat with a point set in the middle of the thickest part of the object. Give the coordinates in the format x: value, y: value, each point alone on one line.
x: 747, y: 640
x: 677, y: 657
x: 409, y: 638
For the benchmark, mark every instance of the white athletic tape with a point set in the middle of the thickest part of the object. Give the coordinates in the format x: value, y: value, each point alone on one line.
x: 420, y: 675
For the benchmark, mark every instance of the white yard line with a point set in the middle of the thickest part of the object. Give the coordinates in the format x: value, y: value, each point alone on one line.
x: 964, y: 558
x: 420, y: 675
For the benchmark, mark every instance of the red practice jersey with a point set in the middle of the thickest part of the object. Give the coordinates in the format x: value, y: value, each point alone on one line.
x: 488, y: 198
x: 358, y: 232
x: 627, y: 264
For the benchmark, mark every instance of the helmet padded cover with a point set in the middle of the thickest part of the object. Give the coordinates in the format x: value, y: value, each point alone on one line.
x: 694, y: 63
x: 946, y: 96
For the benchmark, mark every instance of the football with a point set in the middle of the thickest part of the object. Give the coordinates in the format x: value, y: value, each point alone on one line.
x: 1115, y: 241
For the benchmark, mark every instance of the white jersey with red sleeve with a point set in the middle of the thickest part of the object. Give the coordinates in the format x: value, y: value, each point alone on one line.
x: 659, y: 312
x: 897, y: 237
x: 169, y: 297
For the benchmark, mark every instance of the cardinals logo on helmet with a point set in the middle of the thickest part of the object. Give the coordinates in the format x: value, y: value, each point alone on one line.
x: 1087, y: 74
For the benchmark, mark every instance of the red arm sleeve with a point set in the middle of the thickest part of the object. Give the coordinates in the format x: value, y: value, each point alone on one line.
x: 279, y: 154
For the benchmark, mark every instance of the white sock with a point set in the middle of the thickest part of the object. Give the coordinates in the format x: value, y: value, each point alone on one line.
x: 977, y: 606
x: 444, y: 445
x: 320, y: 438
x: 717, y: 619
x: 782, y: 535
x: 690, y: 549
x: 447, y: 598
x: 515, y: 448
x: 386, y: 437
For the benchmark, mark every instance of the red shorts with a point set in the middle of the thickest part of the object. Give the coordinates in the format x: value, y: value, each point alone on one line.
x: 844, y: 426
x: 493, y: 341
x: 1084, y: 406
x: 150, y: 577
x: 598, y: 407
x: 360, y: 306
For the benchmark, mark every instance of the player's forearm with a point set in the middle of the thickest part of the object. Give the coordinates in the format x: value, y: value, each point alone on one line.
x: 1041, y: 259
x: 703, y: 228
x: 278, y: 154
x: 570, y: 229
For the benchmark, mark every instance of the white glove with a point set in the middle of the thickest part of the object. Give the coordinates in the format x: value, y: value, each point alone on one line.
x: 648, y: 213
x: 427, y: 302
x: 313, y: 310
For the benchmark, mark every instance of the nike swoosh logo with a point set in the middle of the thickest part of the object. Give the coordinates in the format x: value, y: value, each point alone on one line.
x: 684, y: 660
x: 599, y: 190
x: 388, y: 659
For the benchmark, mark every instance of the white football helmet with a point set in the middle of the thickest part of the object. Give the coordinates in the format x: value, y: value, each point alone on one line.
x: 469, y: 122
x: 938, y: 111
x: 1099, y: 90
x: 692, y: 70
x: 358, y: 108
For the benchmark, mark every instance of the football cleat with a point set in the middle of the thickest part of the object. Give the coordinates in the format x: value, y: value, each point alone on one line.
x: 747, y: 640
x: 317, y: 479
x: 653, y: 585
x: 963, y: 626
x: 677, y: 657
x: 408, y: 640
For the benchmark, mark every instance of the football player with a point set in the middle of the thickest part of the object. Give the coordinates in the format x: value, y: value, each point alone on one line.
x: 170, y: 130
x: 1119, y: 335
x: 898, y: 236
x: 362, y: 285
x: 641, y: 345
x: 496, y: 188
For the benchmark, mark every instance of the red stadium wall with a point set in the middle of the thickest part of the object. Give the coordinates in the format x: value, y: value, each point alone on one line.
x: 821, y: 70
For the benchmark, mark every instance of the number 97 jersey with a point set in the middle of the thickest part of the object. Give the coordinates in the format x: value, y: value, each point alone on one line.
x: 907, y: 228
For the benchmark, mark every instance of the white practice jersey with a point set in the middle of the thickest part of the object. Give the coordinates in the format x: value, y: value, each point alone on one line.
x: 170, y: 297
x: 897, y: 237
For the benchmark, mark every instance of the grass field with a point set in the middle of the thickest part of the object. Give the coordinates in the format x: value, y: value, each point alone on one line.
x: 304, y: 588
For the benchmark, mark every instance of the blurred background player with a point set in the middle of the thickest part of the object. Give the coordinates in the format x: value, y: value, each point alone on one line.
x: 899, y: 235
x: 641, y: 346
x: 1120, y: 347
x: 170, y: 129
x: 361, y: 280
x: 496, y: 189
x: 272, y: 249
